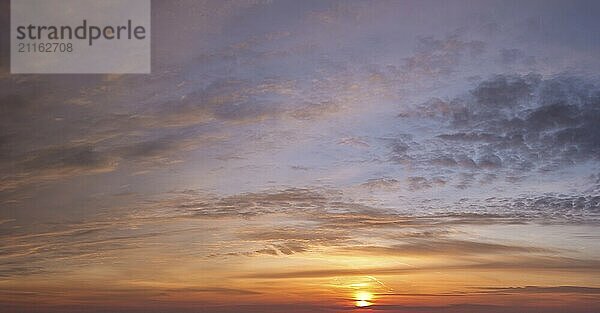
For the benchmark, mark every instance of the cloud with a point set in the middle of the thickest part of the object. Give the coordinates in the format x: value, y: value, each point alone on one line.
x: 445, y: 246
x: 513, y: 263
x: 232, y: 100
x: 314, y: 110
x: 71, y: 160
x: 311, y: 220
x: 440, y: 56
x: 57, y: 163
x: 84, y: 158
x: 462, y: 307
x: 315, y: 219
x: 508, y: 126
x: 218, y: 290
x: 255, y: 85
x: 483, y: 308
x: 295, y: 225
x: 382, y: 183
x: 499, y: 92
x: 541, y: 290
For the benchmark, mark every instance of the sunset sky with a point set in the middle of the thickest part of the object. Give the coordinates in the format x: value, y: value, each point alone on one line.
x: 313, y: 156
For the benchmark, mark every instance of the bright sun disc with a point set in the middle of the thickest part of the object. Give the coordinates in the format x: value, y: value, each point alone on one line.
x: 363, y: 298
x: 362, y: 303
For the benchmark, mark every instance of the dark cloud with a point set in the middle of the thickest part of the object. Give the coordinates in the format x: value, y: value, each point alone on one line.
x: 67, y: 161
x: 400, y: 148
x: 500, y: 92
x: 382, y: 183
x: 511, y: 125
x: 490, y: 161
x: 74, y: 157
x: 546, y: 208
x: 165, y: 149
x: 417, y: 183
x: 55, y: 163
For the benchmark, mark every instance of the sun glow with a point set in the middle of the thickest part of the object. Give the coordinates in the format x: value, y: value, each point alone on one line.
x: 363, y: 299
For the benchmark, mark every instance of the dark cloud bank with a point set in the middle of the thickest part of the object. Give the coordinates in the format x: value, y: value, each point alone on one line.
x: 509, y: 126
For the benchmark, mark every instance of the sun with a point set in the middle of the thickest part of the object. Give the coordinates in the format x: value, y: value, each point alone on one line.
x: 363, y: 298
